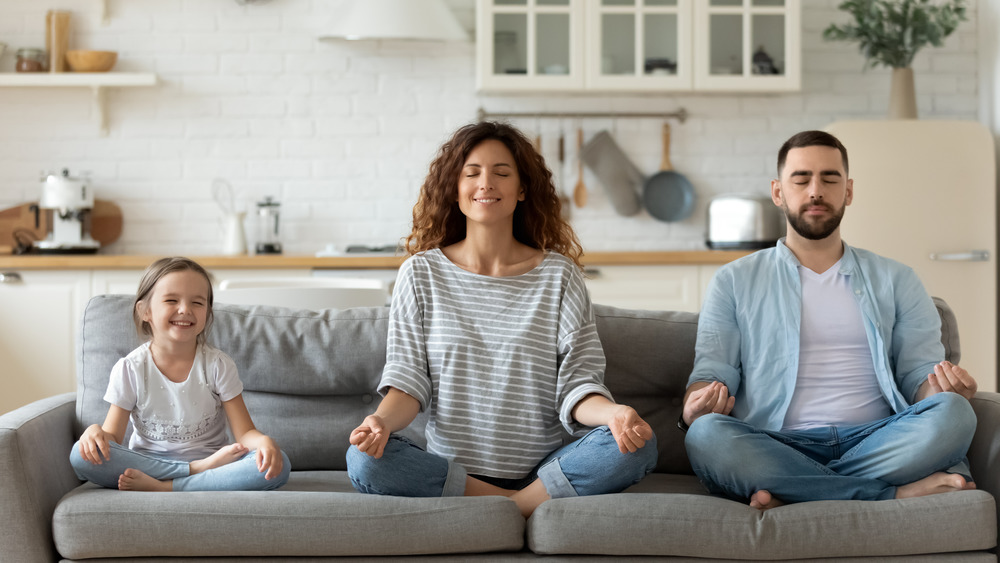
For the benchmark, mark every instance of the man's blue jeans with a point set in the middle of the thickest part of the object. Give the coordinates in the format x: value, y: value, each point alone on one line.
x: 864, y: 462
x: 240, y: 475
x: 592, y: 465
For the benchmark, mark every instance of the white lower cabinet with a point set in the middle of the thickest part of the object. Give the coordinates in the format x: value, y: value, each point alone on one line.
x: 645, y: 287
x: 659, y: 288
x: 41, y: 315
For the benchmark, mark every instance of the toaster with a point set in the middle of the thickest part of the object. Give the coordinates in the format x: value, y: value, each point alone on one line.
x: 744, y: 222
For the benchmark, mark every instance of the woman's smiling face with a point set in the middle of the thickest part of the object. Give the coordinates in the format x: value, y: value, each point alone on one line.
x: 489, y: 186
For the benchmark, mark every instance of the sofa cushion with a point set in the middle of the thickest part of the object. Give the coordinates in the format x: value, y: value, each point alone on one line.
x: 314, y: 515
x: 701, y: 525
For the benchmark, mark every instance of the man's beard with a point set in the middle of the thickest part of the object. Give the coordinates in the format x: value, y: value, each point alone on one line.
x: 812, y: 230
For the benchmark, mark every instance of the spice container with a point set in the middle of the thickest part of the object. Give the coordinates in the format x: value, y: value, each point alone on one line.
x: 30, y: 60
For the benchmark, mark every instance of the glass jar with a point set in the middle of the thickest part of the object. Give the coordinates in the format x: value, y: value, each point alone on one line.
x: 30, y: 60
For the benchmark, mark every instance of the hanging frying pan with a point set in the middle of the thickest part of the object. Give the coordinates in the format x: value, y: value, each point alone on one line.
x: 668, y: 195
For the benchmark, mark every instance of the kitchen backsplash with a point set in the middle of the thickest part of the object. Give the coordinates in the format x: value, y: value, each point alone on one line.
x: 342, y: 133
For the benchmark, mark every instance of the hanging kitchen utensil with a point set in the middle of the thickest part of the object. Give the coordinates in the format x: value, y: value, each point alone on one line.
x: 564, y: 202
x: 668, y: 195
x: 620, y: 177
x: 580, y: 191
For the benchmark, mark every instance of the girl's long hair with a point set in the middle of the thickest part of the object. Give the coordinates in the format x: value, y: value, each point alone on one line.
x: 438, y: 221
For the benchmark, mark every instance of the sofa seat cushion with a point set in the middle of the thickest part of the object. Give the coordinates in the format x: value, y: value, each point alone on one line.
x: 315, y: 514
x: 698, y: 525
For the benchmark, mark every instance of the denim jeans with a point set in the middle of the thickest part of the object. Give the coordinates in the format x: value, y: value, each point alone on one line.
x: 863, y: 462
x: 240, y: 475
x: 592, y: 465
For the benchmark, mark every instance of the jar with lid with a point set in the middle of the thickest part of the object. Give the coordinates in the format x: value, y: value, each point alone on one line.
x: 30, y: 60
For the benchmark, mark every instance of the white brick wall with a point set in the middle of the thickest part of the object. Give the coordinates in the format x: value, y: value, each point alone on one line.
x: 342, y: 133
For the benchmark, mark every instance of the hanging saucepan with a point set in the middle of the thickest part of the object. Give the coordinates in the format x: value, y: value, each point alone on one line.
x: 668, y: 195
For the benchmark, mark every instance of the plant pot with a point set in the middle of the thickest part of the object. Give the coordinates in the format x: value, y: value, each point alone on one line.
x: 902, y: 95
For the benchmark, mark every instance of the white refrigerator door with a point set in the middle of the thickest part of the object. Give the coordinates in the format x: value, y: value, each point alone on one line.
x: 925, y: 195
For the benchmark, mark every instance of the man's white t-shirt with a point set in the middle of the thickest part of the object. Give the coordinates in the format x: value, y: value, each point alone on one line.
x: 836, y: 384
x: 183, y: 421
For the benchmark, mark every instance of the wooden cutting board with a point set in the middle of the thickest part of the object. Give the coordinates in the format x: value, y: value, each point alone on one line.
x: 105, y: 224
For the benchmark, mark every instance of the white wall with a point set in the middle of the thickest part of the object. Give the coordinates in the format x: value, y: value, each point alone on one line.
x: 342, y: 133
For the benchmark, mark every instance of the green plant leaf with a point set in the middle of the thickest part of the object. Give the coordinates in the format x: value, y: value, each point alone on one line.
x: 891, y: 32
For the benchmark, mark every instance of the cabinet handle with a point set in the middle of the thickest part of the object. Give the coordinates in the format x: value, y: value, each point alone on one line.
x: 591, y: 272
x: 10, y: 277
x: 970, y: 256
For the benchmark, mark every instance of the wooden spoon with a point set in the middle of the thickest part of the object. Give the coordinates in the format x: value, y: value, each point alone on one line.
x: 580, y: 191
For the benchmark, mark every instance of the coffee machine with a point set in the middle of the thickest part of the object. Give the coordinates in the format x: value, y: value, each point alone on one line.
x: 71, y: 201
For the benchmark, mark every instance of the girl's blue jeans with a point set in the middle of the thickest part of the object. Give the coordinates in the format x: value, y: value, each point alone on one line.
x: 863, y: 462
x: 240, y: 475
x: 592, y: 465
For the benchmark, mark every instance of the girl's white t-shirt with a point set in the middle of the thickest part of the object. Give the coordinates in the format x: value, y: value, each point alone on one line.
x: 183, y: 421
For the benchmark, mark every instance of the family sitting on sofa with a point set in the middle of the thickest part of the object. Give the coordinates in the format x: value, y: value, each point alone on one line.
x: 818, y: 373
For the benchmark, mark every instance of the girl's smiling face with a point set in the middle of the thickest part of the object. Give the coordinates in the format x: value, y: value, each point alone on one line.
x: 177, y: 308
x: 489, y: 186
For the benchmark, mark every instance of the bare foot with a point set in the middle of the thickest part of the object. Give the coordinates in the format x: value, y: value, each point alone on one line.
x: 225, y: 455
x: 934, y: 484
x: 763, y: 500
x: 135, y: 480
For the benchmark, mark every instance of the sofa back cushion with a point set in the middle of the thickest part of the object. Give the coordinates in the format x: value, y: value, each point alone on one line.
x: 310, y: 376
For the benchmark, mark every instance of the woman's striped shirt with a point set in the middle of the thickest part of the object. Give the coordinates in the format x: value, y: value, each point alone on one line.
x: 499, y: 361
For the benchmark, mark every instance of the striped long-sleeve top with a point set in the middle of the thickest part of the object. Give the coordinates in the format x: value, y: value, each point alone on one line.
x: 499, y: 361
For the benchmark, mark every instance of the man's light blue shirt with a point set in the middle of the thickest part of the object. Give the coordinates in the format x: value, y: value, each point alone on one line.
x: 748, y: 330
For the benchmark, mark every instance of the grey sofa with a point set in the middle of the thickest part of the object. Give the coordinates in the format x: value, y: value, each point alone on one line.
x: 310, y: 378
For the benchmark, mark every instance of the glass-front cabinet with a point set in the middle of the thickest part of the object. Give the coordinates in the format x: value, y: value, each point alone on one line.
x: 750, y: 45
x: 638, y: 45
x: 530, y: 44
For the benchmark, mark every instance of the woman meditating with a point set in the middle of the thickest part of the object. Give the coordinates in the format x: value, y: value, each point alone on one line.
x: 491, y: 329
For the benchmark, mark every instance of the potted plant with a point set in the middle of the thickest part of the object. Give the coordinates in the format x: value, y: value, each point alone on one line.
x: 891, y: 32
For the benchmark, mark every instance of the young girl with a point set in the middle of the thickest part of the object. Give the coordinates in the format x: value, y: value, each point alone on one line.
x: 491, y: 329
x: 178, y: 392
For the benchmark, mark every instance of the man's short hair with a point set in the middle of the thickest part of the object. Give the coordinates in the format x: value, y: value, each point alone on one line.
x: 810, y: 139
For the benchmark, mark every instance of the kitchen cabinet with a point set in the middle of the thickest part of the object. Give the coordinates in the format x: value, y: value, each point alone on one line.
x: 638, y: 45
x: 658, y: 288
x: 747, y: 45
x: 41, y: 312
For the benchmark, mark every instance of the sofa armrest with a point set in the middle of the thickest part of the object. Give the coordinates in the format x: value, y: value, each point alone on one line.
x: 35, y: 442
x: 984, y: 453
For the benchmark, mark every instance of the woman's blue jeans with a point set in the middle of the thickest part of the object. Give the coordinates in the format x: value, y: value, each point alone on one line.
x: 240, y: 475
x: 864, y: 462
x: 592, y: 465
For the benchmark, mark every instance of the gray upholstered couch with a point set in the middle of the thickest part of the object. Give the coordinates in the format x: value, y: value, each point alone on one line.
x: 310, y: 378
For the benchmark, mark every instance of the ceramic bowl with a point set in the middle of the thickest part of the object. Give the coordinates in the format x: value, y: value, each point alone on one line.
x: 91, y: 61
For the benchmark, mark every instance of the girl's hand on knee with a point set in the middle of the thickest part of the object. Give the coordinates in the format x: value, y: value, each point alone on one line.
x: 631, y: 432
x: 269, y: 459
x: 371, y: 436
x: 95, y: 442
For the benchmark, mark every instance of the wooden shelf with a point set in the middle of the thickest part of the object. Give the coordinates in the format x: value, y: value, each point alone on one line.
x: 98, y: 82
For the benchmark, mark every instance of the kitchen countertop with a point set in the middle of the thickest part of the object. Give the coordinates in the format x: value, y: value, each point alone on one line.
x: 363, y: 261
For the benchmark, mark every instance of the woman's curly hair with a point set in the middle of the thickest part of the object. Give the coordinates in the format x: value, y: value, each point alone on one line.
x: 538, y: 223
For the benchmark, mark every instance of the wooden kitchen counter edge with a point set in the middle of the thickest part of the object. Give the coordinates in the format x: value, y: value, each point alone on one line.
x: 132, y: 262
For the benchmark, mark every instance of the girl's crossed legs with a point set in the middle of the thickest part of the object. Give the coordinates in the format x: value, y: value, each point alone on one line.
x: 232, y: 468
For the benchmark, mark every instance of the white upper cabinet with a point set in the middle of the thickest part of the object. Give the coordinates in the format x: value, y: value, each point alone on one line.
x: 637, y: 45
x: 530, y: 44
x: 747, y: 45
